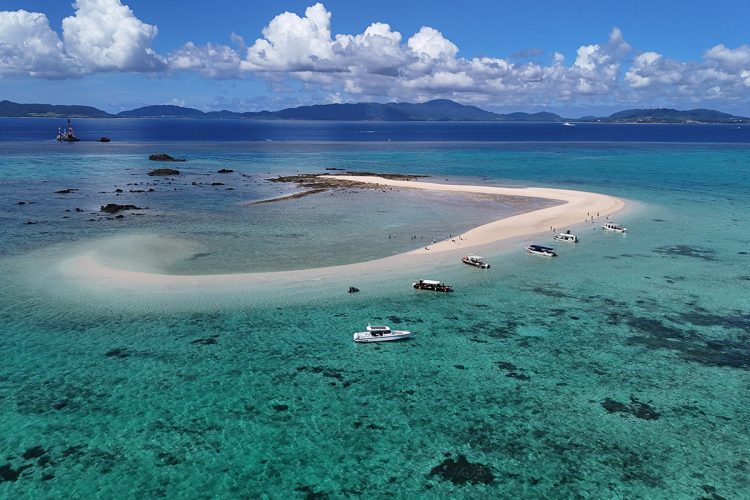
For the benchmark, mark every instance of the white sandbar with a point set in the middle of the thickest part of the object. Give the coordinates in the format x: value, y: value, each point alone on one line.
x: 89, y: 270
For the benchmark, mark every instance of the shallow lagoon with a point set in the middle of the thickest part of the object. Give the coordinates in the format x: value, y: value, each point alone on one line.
x: 619, y: 368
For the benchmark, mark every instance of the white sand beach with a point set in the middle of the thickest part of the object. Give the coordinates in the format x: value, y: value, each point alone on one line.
x: 90, y: 270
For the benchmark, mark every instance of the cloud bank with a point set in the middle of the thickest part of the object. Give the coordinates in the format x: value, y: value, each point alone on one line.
x: 377, y: 64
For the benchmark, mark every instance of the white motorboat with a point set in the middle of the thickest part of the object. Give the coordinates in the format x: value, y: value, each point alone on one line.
x: 566, y: 236
x: 381, y: 334
x: 476, y: 261
x: 568, y: 124
x: 611, y: 226
x: 541, y: 250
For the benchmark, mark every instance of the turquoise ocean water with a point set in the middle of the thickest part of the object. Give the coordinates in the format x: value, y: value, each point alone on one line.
x: 621, y: 369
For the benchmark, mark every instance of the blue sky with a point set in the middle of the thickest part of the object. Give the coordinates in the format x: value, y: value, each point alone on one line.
x: 574, y: 57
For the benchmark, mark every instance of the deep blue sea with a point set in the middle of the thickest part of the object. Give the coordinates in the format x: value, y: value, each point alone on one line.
x: 196, y: 130
x: 620, y: 369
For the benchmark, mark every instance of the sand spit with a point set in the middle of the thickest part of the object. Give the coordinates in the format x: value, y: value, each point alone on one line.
x: 89, y: 270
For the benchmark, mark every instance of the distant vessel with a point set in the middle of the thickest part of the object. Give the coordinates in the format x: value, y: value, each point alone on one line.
x: 476, y: 261
x: 381, y: 334
x: 568, y: 124
x: 435, y: 286
x: 611, y: 226
x: 566, y: 236
x: 67, y: 135
x: 541, y: 250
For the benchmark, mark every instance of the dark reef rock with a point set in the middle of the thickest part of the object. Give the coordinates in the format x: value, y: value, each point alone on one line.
x: 461, y: 471
x: 504, y: 365
x: 113, y: 208
x: 311, y: 494
x: 281, y: 407
x: 205, y: 341
x: 163, y: 157
x: 33, y: 452
x: 636, y: 408
x: 8, y: 473
x: 117, y: 353
x: 225, y: 171
x: 164, y: 171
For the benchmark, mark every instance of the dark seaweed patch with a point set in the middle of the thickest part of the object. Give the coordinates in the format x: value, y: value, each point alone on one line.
x: 513, y: 371
x: 34, y: 452
x: 8, y: 473
x: 695, y: 252
x: 167, y: 459
x: 117, y: 353
x: 398, y: 320
x: 205, y: 340
x: 692, y: 346
x: 326, y: 372
x: 198, y: 255
x: 504, y: 365
x: 551, y: 291
x: 636, y: 408
x: 311, y: 494
x: 461, y: 471
x: 702, y: 317
x: 281, y: 407
x: 656, y: 328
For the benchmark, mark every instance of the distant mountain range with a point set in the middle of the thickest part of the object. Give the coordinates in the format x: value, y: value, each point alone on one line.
x: 436, y: 110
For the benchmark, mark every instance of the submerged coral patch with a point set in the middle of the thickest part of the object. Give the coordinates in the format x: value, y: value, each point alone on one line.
x: 636, y: 408
x: 461, y: 471
x: 695, y: 252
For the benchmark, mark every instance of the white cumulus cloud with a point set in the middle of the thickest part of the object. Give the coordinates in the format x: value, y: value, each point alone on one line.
x: 105, y: 35
x: 29, y: 46
x: 102, y: 35
x: 300, y: 55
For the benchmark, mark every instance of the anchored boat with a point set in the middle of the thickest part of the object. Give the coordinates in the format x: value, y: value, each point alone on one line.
x: 611, y: 226
x: 381, y: 334
x: 67, y: 135
x: 434, y: 285
x: 566, y: 236
x: 541, y: 250
x: 476, y: 261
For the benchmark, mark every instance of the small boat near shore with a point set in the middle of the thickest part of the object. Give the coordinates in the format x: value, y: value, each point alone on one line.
x: 611, y: 226
x: 381, y: 334
x: 541, y: 250
x: 434, y: 285
x: 476, y: 261
x: 566, y: 236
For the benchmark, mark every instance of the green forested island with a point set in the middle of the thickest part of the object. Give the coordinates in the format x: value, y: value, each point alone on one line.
x: 436, y: 110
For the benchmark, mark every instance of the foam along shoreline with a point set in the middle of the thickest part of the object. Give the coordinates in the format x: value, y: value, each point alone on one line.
x: 89, y: 270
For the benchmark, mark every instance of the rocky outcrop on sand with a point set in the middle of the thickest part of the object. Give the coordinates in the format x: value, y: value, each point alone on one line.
x: 164, y: 171
x: 164, y: 157
x: 113, y: 208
